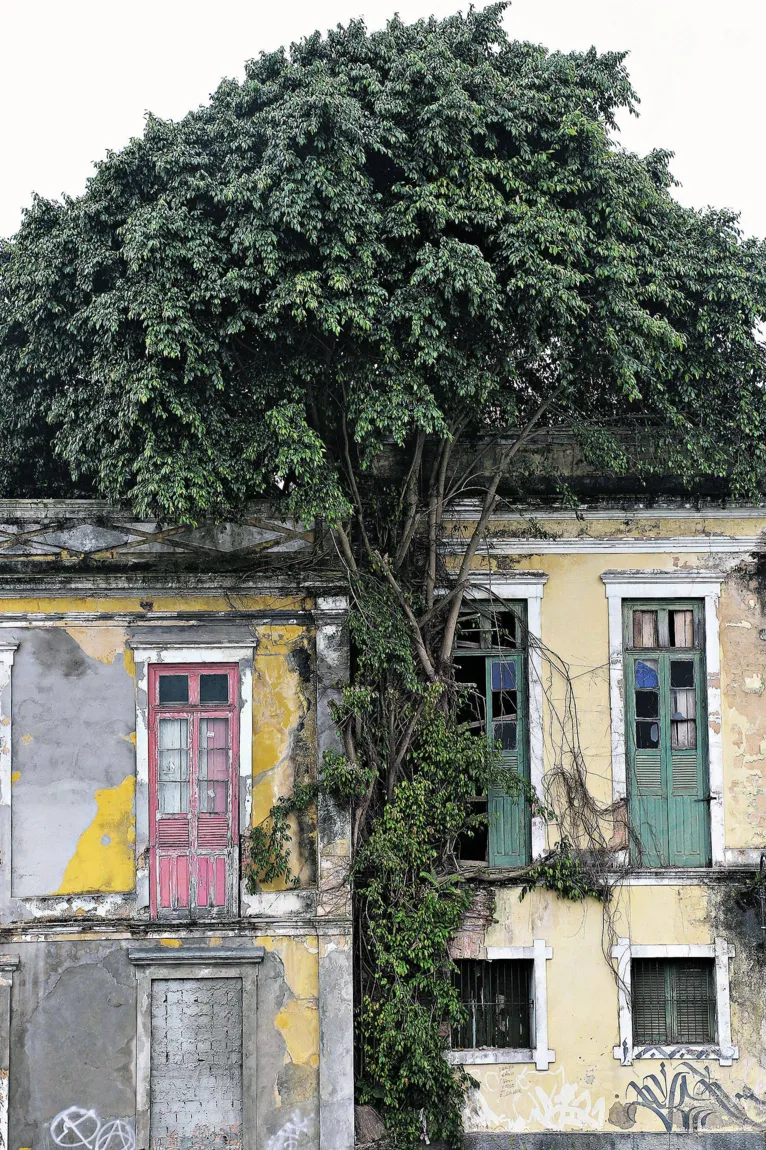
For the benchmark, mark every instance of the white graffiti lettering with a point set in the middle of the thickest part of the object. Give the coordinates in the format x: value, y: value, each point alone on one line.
x: 293, y: 1136
x: 83, y: 1129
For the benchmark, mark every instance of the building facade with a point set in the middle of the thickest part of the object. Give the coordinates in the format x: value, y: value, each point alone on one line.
x: 156, y: 699
x: 638, y: 650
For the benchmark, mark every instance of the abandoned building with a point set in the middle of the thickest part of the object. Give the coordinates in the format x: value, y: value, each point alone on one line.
x: 152, y: 707
x: 157, y: 699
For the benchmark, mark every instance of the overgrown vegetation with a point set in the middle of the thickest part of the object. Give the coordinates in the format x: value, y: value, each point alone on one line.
x: 375, y: 280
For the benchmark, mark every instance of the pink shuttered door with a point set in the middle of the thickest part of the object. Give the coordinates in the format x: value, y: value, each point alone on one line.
x: 193, y: 797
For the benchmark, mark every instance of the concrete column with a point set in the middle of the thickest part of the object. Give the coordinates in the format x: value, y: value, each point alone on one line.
x: 7, y: 967
x: 6, y: 663
x: 336, y: 1024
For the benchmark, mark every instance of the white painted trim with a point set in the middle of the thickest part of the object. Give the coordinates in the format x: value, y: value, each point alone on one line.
x: 705, y: 585
x: 540, y: 954
x: 187, y: 653
x: 719, y: 950
x: 622, y: 512
x: 171, y: 968
x: 618, y: 545
x: 528, y: 586
x: 486, y: 1056
x: 7, y: 651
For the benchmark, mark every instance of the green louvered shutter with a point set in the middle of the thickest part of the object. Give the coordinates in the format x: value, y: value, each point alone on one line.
x: 648, y: 790
x: 688, y: 808
x: 666, y: 740
x: 509, y: 816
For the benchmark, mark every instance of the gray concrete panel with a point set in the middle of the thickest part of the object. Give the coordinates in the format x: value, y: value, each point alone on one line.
x: 73, y: 715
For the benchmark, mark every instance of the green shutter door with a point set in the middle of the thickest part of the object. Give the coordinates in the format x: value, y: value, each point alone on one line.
x: 688, y: 809
x: 648, y: 791
x: 509, y: 816
x: 667, y: 751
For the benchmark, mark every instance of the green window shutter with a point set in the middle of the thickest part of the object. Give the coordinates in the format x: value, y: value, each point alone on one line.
x: 666, y: 736
x: 688, y: 809
x: 509, y: 815
x: 673, y: 1002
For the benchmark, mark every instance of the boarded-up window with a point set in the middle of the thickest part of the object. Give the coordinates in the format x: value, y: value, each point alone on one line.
x: 498, y: 1003
x: 673, y: 1001
x: 193, y: 769
x: 666, y: 743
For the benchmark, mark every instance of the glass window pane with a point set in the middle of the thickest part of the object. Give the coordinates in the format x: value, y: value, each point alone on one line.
x: 645, y: 629
x: 213, y: 766
x: 214, y: 688
x: 173, y: 766
x: 647, y: 705
x: 503, y: 676
x: 647, y: 735
x: 681, y: 627
x: 174, y: 688
x: 647, y: 674
x: 682, y: 673
x: 683, y: 714
x: 506, y: 734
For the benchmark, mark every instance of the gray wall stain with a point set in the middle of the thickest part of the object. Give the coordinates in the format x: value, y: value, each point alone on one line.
x: 72, y: 718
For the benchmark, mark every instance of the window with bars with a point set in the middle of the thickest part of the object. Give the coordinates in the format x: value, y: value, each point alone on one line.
x: 673, y: 1001
x: 491, y: 663
x: 193, y: 796
x: 666, y: 702
x: 498, y: 1000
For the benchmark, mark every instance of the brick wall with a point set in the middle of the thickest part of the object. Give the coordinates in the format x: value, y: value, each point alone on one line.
x: 196, y: 1063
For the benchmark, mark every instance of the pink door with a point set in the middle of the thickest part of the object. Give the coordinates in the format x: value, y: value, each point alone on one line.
x: 193, y: 794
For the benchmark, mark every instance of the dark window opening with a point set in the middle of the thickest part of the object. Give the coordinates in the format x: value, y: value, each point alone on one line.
x: 174, y: 688
x: 214, y: 688
x: 497, y: 997
x: 481, y: 628
x: 673, y: 1002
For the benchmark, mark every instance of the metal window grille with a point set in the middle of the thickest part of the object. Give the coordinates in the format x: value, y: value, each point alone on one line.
x: 673, y: 1001
x: 497, y: 997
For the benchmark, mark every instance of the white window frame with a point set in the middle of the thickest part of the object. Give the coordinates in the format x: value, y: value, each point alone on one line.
x: 540, y: 1054
x: 526, y: 586
x: 169, y: 654
x: 723, y: 1051
x: 705, y: 585
x: 156, y: 964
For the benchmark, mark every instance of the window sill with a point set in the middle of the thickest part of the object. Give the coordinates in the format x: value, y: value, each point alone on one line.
x: 487, y: 1055
x: 724, y: 1055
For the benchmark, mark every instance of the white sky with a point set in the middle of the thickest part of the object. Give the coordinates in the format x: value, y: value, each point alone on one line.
x: 77, y: 77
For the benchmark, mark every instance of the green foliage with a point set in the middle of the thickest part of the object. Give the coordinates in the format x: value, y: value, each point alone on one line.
x: 562, y: 873
x: 269, y: 841
x: 412, y: 909
x: 415, y: 229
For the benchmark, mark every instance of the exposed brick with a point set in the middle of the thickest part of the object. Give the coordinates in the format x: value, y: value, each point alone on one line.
x: 196, y: 1063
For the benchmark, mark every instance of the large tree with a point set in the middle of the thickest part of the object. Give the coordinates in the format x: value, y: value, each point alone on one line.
x: 363, y: 282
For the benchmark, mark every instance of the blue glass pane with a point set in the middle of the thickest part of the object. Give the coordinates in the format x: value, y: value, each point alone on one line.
x: 503, y: 676
x: 646, y: 675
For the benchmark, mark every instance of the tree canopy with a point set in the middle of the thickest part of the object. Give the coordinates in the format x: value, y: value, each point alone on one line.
x: 422, y: 245
x: 428, y: 229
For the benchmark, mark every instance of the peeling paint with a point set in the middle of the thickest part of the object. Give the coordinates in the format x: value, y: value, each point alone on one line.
x: 104, y: 859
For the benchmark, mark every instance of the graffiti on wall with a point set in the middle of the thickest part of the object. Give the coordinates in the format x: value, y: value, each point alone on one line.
x: 690, y: 1099
x: 548, y: 1100
x: 84, y: 1130
x: 294, y: 1135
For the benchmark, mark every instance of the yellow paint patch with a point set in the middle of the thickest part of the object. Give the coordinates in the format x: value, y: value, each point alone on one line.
x: 299, y: 1025
x: 15, y: 776
x: 172, y: 942
x: 104, y: 859
x: 129, y: 662
x: 26, y: 739
x: 300, y: 961
x: 131, y: 738
x: 102, y: 643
